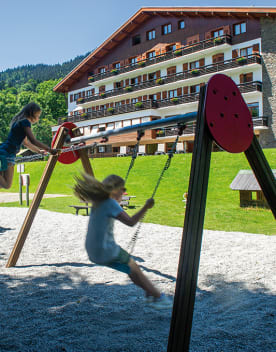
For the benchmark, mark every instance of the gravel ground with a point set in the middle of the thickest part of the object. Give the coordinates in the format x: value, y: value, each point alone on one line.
x: 56, y: 300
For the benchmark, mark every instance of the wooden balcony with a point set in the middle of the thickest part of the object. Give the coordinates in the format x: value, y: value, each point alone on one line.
x: 185, y: 50
x: 204, y: 70
x: 152, y: 104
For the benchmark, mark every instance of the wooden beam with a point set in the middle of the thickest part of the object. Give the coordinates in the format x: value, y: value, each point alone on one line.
x: 182, y: 316
x: 263, y: 172
x: 36, y: 200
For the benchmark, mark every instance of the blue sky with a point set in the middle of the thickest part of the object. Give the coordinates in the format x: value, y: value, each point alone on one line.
x: 55, y: 31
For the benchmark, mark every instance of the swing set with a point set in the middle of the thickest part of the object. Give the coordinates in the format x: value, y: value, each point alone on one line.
x: 223, y: 117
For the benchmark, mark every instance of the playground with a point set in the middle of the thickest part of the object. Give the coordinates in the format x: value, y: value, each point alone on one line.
x: 55, y: 299
x: 227, y: 294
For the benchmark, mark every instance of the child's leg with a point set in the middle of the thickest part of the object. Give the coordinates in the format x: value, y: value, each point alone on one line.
x: 6, y: 177
x: 141, y: 280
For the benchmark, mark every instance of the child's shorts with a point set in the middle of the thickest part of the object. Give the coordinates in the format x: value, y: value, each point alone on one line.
x: 121, y: 262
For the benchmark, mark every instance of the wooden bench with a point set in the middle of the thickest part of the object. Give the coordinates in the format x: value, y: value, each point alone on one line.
x: 124, y: 203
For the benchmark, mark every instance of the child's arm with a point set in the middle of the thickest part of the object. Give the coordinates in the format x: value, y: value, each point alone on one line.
x: 31, y: 146
x: 132, y: 220
x: 31, y: 138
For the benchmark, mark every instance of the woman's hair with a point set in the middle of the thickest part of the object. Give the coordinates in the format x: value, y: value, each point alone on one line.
x: 89, y: 189
x: 28, y: 111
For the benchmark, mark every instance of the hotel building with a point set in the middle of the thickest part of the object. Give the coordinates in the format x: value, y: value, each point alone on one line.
x: 153, y: 66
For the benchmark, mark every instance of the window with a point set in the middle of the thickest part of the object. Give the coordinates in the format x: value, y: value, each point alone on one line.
x: 239, y: 28
x: 171, y: 48
x: 117, y: 65
x: 254, y: 109
x: 195, y: 89
x: 246, y: 77
x: 126, y: 123
x: 151, y: 55
x: 135, y: 121
x: 118, y: 103
x: 102, y: 70
x: 217, y: 33
x: 95, y: 129
x: 151, y: 34
x: 172, y: 93
x: 118, y: 124
x: 101, y: 149
x: 152, y: 75
x: 102, y: 127
x: 153, y: 97
x: 110, y: 126
x: 117, y: 85
x: 134, y: 81
x: 181, y: 24
x: 246, y: 51
x: 134, y: 100
x: 194, y: 65
x: 136, y: 39
x: 145, y: 119
x: 166, y: 29
x: 133, y: 60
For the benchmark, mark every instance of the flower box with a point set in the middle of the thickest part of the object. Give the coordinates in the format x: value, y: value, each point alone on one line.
x: 141, y: 64
x: 80, y: 100
x: 84, y: 115
x: 114, y: 71
x: 110, y: 110
x: 241, y: 60
x: 102, y: 95
x: 195, y: 72
x: 218, y: 41
x: 159, y: 81
x: 139, y: 104
x: 90, y: 79
x: 128, y: 88
x: 178, y: 52
x: 174, y: 100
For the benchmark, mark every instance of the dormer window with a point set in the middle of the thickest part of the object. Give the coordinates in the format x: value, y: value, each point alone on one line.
x: 151, y: 55
x: 239, y: 28
x: 136, y: 39
x: 117, y: 65
x: 133, y: 60
x: 151, y: 34
x: 102, y: 70
x: 166, y: 29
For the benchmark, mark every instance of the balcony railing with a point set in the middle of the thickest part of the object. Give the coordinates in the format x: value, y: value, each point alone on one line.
x: 152, y: 104
x: 185, y: 50
x: 204, y: 70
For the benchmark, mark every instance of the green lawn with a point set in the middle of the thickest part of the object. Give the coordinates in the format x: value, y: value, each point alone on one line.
x: 222, y: 211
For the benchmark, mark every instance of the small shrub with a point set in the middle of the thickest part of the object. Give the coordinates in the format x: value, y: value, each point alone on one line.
x: 114, y: 71
x: 159, y: 81
x: 139, y: 104
x: 174, y: 100
x: 218, y: 40
x: 90, y: 79
x: 195, y: 72
x: 80, y: 100
x: 178, y: 52
x: 102, y: 95
x: 141, y: 63
x: 110, y: 110
x: 128, y: 88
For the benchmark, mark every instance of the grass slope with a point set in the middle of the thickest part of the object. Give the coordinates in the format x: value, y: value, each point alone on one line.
x: 222, y: 210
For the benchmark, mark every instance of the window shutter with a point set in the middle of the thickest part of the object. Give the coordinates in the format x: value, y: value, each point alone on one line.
x: 185, y: 66
x: 127, y: 101
x: 202, y: 84
x: 256, y: 48
x: 111, y: 105
x: 241, y: 78
x: 127, y: 82
x: 185, y: 90
x: 123, y: 102
x: 139, y: 79
x: 226, y: 29
x: 179, y: 92
x: 145, y: 78
x: 115, y: 85
x: 158, y: 95
x: 208, y: 35
x: 140, y: 98
x: 164, y: 95
x: 201, y: 62
x: 145, y: 97
x: 71, y: 98
x: 158, y: 73
x: 235, y: 53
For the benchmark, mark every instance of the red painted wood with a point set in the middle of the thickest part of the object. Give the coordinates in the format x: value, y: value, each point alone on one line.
x: 69, y: 157
x: 227, y: 115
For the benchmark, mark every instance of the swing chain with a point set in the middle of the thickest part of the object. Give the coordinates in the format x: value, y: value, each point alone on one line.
x: 140, y: 134
x: 167, y: 165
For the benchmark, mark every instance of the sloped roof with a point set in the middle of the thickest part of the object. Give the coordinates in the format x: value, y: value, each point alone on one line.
x: 144, y: 14
x: 246, y: 181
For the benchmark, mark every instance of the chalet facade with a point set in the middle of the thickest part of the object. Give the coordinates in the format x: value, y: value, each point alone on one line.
x: 153, y: 66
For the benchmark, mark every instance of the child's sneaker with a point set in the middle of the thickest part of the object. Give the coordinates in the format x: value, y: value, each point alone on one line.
x: 163, y: 302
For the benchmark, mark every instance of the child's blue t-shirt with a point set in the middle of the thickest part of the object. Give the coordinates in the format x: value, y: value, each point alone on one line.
x: 16, y: 137
x: 100, y: 244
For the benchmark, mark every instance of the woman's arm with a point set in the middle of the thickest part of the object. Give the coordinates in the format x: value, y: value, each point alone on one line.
x: 34, y: 142
x: 132, y: 220
x: 31, y: 146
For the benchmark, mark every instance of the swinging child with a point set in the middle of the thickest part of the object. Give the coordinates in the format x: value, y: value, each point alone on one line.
x: 100, y: 244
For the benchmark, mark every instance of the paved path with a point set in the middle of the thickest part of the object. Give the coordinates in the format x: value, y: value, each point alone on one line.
x: 6, y: 197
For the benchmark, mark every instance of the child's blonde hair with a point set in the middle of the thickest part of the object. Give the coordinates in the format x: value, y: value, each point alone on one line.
x: 90, y: 189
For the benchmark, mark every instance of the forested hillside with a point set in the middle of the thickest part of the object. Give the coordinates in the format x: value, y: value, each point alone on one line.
x: 24, y: 84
